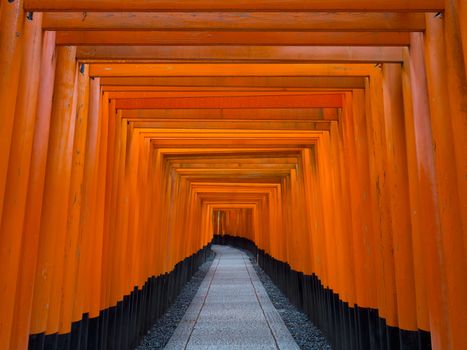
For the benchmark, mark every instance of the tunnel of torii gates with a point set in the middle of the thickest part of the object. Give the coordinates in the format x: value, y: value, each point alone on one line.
x: 327, y: 136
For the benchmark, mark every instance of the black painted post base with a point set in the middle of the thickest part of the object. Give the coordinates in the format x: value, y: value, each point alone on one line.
x: 122, y: 326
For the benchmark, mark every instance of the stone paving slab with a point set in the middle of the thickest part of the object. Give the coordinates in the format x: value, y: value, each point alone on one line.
x: 231, y: 310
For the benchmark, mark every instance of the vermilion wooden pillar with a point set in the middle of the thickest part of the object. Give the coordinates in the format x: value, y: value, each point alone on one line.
x: 364, y: 251
x: 110, y: 202
x: 456, y: 73
x: 96, y: 300
x: 135, y: 235
x: 448, y: 170
x: 15, y: 194
x: 427, y: 212
x: 118, y: 229
x: 385, y: 277
x: 350, y: 181
x: 333, y: 275
x: 91, y: 237
x: 416, y: 226
x: 310, y: 193
x: 398, y: 190
x: 49, y: 271
x: 345, y: 243
x: 73, y: 240
x: 462, y: 17
x: 35, y: 186
x: 11, y: 44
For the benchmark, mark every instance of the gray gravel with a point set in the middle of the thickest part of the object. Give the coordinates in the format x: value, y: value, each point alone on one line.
x: 162, y: 330
x: 305, y: 333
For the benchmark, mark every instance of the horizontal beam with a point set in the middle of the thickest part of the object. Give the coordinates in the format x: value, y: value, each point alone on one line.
x: 273, y: 181
x: 235, y: 114
x: 138, y: 89
x: 236, y: 124
x: 199, y: 160
x: 240, y: 199
x: 233, y: 179
x: 267, y: 144
x: 226, y: 205
x: 242, y: 158
x: 179, y: 133
x: 236, y: 178
x: 218, y: 70
x: 257, y: 169
x: 233, y: 5
x: 202, y: 188
x: 254, y: 176
x: 237, y: 82
x: 264, y: 21
x: 230, y: 166
x: 254, y: 171
x: 172, y: 153
x: 243, y: 53
x: 231, y: 38
x: 171, y: 94
x: 333, y: 100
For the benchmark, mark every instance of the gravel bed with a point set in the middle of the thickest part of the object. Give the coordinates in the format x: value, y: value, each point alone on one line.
x: 161, y: 332
x: 305, y: 333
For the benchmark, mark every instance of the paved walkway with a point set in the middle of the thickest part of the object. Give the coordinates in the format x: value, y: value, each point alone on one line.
x: 231, y: 310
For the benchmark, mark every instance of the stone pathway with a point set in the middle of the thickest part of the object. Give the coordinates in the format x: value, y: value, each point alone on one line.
x: 231, y: 310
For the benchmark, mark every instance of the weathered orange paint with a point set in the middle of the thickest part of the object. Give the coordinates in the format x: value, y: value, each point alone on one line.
x: 240, y: 54
x: 268, y: 5
x: 228, y: 70
x: 35, y: 187
x: 86, y: 272
x: 219, y: 21
x: 73, y: 238
x: 15, y: 194
x: 11, y: 41
x: 233, y: 82
x: 49, y: 271
x: 457, y: 84
x: 232, y: 38
x: 427, y: 206
x: 447, y: 165
x: 387, y: 303
x: 397, y: 177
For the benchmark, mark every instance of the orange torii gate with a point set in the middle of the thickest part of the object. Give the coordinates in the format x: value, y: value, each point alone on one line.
x: 329, y: 133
